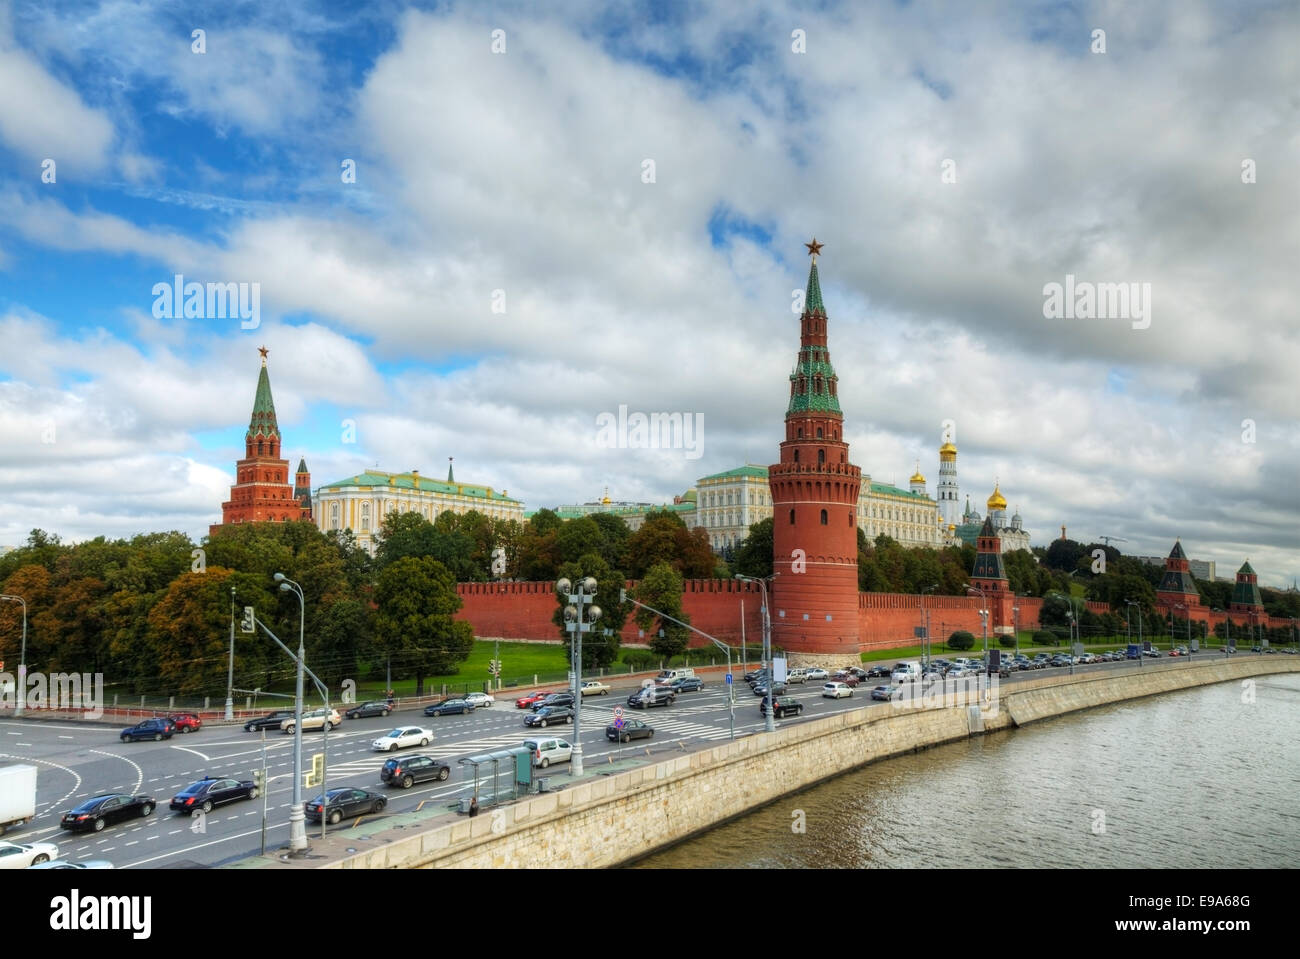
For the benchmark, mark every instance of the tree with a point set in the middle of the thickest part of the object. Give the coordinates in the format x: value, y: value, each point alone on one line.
x: 417, y: 600
x: 579, y: 537
x: 600, y: 645
x: 661, y: 587
x: 1055, y: 611
x: 754, y: 555
x: 1063, y: 554
x: 961, y: 639
x: 614, y: 537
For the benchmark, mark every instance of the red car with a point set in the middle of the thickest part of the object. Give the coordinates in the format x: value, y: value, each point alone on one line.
x: 524, y: 702
x: 846, y: 677
x: 186, y: 722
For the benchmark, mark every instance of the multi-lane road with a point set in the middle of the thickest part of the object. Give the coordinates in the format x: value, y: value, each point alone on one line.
x: 77, y: 760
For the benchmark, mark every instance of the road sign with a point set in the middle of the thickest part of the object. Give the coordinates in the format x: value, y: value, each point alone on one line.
x: 728, y: 679
x: 618, y: 712
x: 618, y: 722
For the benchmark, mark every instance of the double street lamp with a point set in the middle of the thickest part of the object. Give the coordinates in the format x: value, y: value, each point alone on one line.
x: 769, y: 724
x: 1141, y: 648
x: 576, y: 623
x: 297, y: 814
x: 925, y: 627
x: 21, y: 691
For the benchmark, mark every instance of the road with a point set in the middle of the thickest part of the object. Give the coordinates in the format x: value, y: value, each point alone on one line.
x: 79, y: 760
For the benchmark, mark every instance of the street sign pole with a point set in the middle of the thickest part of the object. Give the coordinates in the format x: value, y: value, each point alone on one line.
x: 266, y: 788
x: 618, y: 730
x: 731, y: 701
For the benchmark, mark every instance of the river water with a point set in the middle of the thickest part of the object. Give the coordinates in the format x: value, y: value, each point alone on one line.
x: 1198, y: 778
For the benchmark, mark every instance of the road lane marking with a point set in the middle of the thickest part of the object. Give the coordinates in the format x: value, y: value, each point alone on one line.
x: 194, y: 751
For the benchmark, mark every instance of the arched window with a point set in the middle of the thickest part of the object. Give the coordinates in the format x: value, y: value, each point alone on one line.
x: 821, y: 457
x: 824, y: 517
x: 365, y: 517
x: 850, y: 517
x: 334, y: 516
x: 791, y: 517
x: 819, y: 432
x: 801, y: 432
x: 796, y: 454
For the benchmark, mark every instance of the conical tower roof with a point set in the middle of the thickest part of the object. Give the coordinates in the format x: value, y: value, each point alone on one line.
x: 263, y: 419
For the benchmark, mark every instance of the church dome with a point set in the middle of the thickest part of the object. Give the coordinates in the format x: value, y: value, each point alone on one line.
x: 917, y: 477
x: 947, y: 451
x: 997, y: 500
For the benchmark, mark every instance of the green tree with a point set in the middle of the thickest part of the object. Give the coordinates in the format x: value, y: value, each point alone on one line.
x: 754, y: 556
x: 416, y: 599
x: 600, y: 646
x: 579, y: 537
x: 661, y: 587
x: 961, y: 639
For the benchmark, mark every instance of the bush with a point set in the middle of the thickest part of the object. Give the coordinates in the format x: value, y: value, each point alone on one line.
x: 1045, y: 637
x: 640, y: 658
x: 961, y: 640
x: 1007, y: 641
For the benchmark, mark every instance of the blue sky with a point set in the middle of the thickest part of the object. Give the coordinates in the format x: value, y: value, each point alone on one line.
x: 501, y: 271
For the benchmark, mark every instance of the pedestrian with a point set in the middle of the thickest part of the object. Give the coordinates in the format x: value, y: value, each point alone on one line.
x: 390, y: 698
x: 473, y: 806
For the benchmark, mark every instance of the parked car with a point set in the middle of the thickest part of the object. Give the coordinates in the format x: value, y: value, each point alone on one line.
x: 209, y: 792
x: 64, y: 864
x: 760, y: 689
x: 755, y: 674
x: 593, y: 688
x: 632, y: 729
x: 376, y: 707
x: 958, y: 672
x: 186, y: 722
x: 547, y: 752
x: 269, y: 721
x: 449, y: 706
x: 155, y: 729
x: 690, y: 684
x: 549, y: 716
x: 887, y: 693
x: 480, y: 700
x: 1152, y: 653
x: 409, y: 770
x: 879, y: 671
x: 401, y: 737
x: 785, y: 705
x: 652, y: 696
x: 104, y: 810
x: 797, y: 676
x: 524, y: 702
x: 316, y: 719
x: 346, y: 801
x: 817, y: 672
x: 20, y: 855
x: 555, y: 699
x: 836, y: 691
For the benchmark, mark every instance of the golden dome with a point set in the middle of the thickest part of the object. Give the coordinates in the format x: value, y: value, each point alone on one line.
x: 997, y: 500
x: 947, y: 451
x: 917, y: 477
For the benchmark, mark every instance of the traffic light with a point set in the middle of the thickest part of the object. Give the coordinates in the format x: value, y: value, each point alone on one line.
x: 259, y: 778
x: 622, y: 596
x: 246, y: 625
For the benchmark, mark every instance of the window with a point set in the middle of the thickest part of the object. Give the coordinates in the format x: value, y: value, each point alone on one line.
x: 824, y: 518
x: 796, y: 454
x: 850, y: 517
x: 365, y: 517
x: 791, y: 517
x: 821, y: 457
x: 334, y: 516
x: 819, y: 432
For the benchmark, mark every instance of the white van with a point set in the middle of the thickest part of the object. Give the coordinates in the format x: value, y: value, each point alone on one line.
x: 549, y: 751
x: 906, y: 672
x: 668, y: 675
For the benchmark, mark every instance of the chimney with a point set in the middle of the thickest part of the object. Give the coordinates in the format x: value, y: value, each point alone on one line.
x: 415, y: 476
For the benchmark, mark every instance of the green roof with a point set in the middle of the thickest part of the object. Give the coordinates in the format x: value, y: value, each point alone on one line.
x: 1247, y: 569
x: 263, y: 419
x: 888, y: 490
x: 407, y: 481
x: 813, y: 376
x: 813, y: 298
x: 759, y: 472
x: 573, y: 512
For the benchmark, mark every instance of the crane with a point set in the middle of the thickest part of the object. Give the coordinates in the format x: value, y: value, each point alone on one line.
x: 1107, y: 539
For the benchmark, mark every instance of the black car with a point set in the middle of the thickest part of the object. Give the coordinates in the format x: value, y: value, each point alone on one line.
x: 409, y: 770
x: 549, y: 716
x: 652, y: 696
x: 154, y: 729
x: 754, y: 675
x: 347, y: 801
x: 784, y: 705
x: 632, y: 729
x: 879, y: 670
x: 555, y: 699
x: 687, y: 684
x: 210, y: 791
x: 760, y: 689
x: 100, y: 811
x: 269, y: 721
x: 445, y: 706
x: 364, y: 710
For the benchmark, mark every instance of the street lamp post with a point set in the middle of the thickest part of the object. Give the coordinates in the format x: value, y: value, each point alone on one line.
x: 576, y: 623
x: 21, y: 691
x: 1015, y: 621
x: 297, y: 814
x: 1141, y: 649
x: 925, y: 628
x: 769, y: 724
x: 1076, y: 626
x: 230, y: 671
x: 984, y: 619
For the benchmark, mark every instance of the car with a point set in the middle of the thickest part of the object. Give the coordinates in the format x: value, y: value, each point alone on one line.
x: 446, y: 706
x: 376, y: 707
x: 848, y: 679
x: 480, y: 700
x: 880, y: 671
x: 20, y: 855
x: 594, y: 688
x: 933, y: 676
x: 690, y: 684
x: 555, y: 699
x: 524, y: 702
x: 1176, y: 652
x: 64, y: 864
x: 887, y: 693
x: 1005, y: 669
x: 95, y: 813
x: 784, y: 705
x: 836, y: 691
x: 269, y: 721
x: 549, y: 716
x: 346, y: 801
x: 632, y: 729
x: 547, y: 752
x: 1152, y: 653
x: 755, y: 674
x: 155, y: 729
x: 402, y: 737
x: 186, y: 722
x: 316, y: 719
x: 760, y: 689
x: 210, y: 791
x: 797, y: 676
x: 958, y: 672
x: 409, y: 770
x: 817, y: 672
x: 652, y: 696
x: 1268, y: 652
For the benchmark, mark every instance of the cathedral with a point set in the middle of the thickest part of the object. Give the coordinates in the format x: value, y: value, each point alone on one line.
x: 262, y: 493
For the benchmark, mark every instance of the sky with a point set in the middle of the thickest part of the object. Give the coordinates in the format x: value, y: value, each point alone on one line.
x: 474, y: 229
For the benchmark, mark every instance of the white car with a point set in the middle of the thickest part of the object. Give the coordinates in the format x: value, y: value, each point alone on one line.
x: 315, y: 719
x: 816, y: 672
x: 837, y: 690
x: 593, y: 688
x: 549, y: 751
x: 64, y: 864
x: 479, y: 700
x: 402, y: 737
x: 20, y: 855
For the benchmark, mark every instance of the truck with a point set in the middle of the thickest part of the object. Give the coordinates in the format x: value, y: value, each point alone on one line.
x: 17, y: 795
x: 1134, y: 651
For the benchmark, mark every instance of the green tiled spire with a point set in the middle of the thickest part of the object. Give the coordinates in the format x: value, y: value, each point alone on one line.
x: 263, y: 419
x: 813, y: 297
x: 813, y: 383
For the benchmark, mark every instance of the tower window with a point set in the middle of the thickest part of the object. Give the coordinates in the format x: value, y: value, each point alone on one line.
x: 824, y: 518
x: 819, y: 432
x: 821, y: 457
x: 791, y: 517
x: 850, y: 517
x: 801, y: 432
x: 796, y: 453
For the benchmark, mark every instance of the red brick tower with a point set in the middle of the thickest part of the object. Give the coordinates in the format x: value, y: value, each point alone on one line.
x: 262, y: 492
x: 815, y: 504
x: 1177, y: 585
x: 990, y: 575
x: 1247, y: 604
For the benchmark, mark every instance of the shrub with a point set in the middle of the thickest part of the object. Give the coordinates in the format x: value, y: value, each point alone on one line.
x: 1045, y: 637
x: 961, y: 640
x: 1007, y: 641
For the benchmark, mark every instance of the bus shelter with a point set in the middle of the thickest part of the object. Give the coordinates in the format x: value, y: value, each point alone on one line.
x: 499, y: 776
